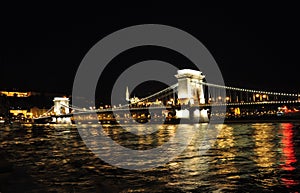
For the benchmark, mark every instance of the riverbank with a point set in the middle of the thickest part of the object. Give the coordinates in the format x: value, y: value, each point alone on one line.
x: 263, y: 120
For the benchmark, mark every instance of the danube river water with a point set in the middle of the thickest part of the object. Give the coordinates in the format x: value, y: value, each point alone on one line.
x: 244, y: 157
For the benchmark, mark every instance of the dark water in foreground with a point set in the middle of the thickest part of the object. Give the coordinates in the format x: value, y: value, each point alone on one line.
x: 248, y: 157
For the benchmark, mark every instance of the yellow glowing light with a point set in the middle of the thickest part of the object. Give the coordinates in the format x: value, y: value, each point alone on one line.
x: 15, y: 94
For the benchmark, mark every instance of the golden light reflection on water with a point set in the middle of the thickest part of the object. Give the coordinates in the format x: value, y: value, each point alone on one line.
x: 265, y: 152
x: 265, y: 148
x: 223, y: 163
x: 261, y: 156
x: 147, y: 136
x: 225, y: 138
x: 190, y: 166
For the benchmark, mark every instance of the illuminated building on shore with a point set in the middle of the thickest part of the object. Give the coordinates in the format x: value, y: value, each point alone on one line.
x: 15, y: 94
x: 27, y: 104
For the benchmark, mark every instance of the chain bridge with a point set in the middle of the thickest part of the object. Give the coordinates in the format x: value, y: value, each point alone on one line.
x: 190, y: 98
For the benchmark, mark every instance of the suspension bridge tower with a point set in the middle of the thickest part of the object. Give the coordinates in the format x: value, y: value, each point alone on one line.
x: 190, y: 89
x: 61, y: 108
x: 191, y: 92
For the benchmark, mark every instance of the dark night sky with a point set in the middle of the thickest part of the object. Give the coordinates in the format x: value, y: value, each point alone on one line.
x: 258, y: 49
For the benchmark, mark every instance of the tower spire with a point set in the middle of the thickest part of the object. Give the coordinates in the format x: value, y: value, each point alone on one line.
x: 127, y: 94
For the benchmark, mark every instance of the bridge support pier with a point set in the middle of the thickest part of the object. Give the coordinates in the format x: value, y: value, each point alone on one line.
x: 193, y: 115
x: 201, y: 115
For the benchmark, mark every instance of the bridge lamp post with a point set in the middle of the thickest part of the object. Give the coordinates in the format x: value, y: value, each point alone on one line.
x: 172, y: 101
x: 220, y: 98
x: 227, y: 99
x: 265, y: 97
x: 259, y: 97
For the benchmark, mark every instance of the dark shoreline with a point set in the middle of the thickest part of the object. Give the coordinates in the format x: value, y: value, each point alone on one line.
x: 259, y: 121
x: 226, y: 121
x: 263, y: 120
